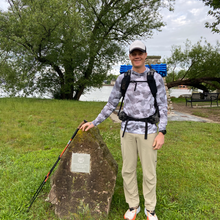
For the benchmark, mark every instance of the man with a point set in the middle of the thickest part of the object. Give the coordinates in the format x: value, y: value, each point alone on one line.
x: 139, y: 104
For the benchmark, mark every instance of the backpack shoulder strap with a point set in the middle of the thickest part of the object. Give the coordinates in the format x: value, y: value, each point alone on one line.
x: 124, y: 85
x: 151, y: 82
x: 125, y: 82
x: 153, y: 87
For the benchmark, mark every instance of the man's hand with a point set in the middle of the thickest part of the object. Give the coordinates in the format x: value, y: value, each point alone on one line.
x: 87, y: 126
x: 158, y: 141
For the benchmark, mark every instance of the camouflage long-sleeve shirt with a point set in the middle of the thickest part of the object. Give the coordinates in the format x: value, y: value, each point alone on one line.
x: 138, y: 103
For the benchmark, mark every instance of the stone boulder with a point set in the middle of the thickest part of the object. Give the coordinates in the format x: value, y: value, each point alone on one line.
x: 85, y: 177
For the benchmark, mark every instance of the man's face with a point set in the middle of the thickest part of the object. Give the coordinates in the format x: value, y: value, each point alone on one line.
x: 137, y: 58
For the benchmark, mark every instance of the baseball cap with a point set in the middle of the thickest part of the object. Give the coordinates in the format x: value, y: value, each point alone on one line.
x: 137, y: 45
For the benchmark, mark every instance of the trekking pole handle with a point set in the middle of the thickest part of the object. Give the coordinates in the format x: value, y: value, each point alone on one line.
x: 84, y: 121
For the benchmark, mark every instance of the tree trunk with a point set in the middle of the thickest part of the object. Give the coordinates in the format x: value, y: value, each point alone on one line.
x: 87, y: 74
x: 67, y: 88
x: 67, y: 93
x: 78, y: 93
x: 197, y: 83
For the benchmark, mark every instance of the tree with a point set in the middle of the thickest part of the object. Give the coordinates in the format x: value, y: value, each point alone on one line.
x: 215, y: 12
x: 5, y: 67
x: 197, y: 66
x: 111, y: 77
x: 67, y: 46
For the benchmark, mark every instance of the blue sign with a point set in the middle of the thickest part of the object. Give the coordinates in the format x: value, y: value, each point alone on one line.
x: 160, y: 68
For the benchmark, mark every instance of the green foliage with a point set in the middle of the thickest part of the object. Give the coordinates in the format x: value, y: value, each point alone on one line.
x: 111, y: 77
x: 67, y: 46
x: 196, y: 65
x: 200, y: 59
x: 175, y: 76
x: 214, y: 12
x: 34, y: 132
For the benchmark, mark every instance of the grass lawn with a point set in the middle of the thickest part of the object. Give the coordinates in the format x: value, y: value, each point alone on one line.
x: 33, y: 133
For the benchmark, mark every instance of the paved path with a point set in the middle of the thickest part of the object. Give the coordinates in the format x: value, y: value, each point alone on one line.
x: 180, y: 116
x: 174, y: 116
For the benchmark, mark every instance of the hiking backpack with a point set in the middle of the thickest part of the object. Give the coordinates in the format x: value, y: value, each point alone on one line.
x: 153, y: 88
x: 153, y: 119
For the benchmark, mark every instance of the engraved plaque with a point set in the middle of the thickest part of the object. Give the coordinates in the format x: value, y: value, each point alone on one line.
x: 80, y: 163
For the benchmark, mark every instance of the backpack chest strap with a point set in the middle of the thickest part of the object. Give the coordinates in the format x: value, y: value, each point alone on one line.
x: 136, y: 83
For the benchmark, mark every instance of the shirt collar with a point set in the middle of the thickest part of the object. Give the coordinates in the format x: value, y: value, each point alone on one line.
x: 141, y: 74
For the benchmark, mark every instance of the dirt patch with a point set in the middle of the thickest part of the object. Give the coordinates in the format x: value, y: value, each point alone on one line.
x: 212, y: 113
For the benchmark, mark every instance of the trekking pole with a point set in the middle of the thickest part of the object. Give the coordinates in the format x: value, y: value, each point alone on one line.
x: 51, y: 170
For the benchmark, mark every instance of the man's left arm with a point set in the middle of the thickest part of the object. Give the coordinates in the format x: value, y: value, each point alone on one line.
x: 162, y: 105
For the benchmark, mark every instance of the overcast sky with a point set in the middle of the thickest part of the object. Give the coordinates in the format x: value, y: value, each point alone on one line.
x: 186, y: 22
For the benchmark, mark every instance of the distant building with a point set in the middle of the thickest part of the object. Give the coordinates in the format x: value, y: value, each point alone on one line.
x: 153, y: 60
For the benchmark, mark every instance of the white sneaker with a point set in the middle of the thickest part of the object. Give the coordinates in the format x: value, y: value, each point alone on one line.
x: 131, y: 213
x: 150, y: 215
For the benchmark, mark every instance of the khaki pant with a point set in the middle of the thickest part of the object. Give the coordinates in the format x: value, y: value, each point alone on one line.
x: 133, y: 145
